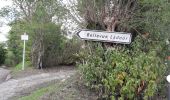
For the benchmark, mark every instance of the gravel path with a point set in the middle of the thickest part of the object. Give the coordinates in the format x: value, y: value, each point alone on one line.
x: 22, y: 86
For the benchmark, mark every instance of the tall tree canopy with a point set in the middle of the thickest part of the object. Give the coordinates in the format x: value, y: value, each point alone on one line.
x: 42, y: 21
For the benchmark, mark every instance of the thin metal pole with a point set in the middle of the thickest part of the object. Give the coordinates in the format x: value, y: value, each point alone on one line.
x: 23, y: 60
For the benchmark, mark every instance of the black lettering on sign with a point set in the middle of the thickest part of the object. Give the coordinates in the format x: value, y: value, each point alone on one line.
x: 88, y: 34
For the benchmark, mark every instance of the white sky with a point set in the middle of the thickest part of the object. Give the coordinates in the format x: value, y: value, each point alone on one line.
x: 4, y: 29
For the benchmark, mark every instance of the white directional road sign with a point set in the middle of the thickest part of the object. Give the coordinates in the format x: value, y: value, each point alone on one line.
x: 114, y: 37
x: 24, y: 37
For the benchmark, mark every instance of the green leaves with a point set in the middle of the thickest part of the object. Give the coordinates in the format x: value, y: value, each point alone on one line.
x: 2, y: 54
x: 156, y: 17
x: 135, y: 71
x: 131, y: 73
x: 47, y: 41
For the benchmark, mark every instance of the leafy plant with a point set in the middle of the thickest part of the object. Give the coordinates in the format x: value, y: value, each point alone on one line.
x: 127, y: 72
x: 2, y: 54
x: 123, y: 74
x: 10, y: 59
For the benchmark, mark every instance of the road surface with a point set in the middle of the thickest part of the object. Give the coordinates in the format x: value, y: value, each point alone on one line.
x: 17, y: 87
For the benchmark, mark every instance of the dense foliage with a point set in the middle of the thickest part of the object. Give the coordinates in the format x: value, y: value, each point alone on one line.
x: 127, y: 72
x: 48, y: 44
x: 2, y: 54
x: 124, y: 74
x: 57, y: 49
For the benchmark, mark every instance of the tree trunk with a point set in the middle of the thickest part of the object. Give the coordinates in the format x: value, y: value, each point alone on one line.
x: 38, y: 52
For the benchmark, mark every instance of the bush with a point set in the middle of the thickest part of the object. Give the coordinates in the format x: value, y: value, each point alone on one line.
x: 2, y: 54
x: 10, y: 59
x: 18, y: 67
x: 132, y: 72
x: 62, y: 53
x: 123, y: 74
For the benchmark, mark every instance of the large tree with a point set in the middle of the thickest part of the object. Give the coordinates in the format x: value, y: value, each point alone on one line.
x: 35, y: 17
x: 42, y: 21
x: 108, y: 14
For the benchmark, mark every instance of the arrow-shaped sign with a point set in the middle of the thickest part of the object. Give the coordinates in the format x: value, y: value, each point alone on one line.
x: 114, y: 37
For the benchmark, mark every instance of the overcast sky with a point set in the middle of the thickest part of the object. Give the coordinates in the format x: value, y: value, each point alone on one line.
x: 4, y: 29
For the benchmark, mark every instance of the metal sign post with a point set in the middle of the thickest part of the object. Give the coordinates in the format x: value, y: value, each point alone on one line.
x: 24, y: 38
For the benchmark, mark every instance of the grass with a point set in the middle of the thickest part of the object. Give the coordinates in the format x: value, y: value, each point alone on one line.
x: 18, y: 72
x: 18, y: 67
x: 36, y: 95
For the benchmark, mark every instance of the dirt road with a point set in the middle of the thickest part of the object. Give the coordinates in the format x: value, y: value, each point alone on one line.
x: 22, y: 86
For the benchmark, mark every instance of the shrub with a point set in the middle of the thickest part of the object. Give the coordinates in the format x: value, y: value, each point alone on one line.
x: 62, y: 53
x: 2, y: 54
x: 10, y: 59
x: 18, y: 67
x: 123, y: 74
